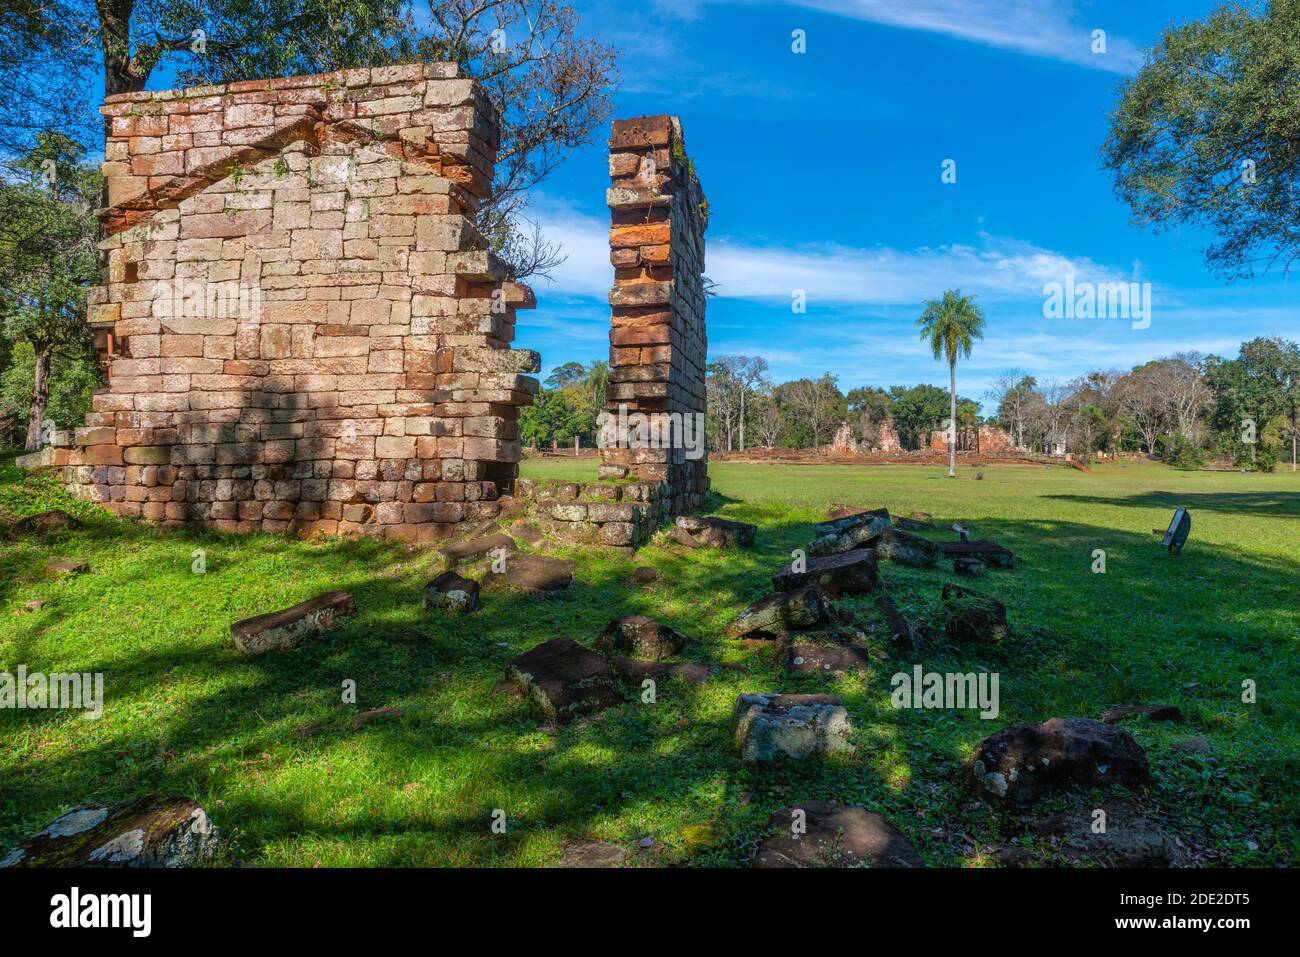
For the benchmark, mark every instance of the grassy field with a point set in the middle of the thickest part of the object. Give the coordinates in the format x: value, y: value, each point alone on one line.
x: 269, y: 749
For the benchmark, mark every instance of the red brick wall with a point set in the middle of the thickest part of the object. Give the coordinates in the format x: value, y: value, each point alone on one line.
x: 657, y: 341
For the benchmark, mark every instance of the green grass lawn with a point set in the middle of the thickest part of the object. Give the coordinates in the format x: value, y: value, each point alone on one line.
x: 269, y: 749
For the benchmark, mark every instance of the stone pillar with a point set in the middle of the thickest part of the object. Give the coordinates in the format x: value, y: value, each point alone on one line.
x: 657, y: 339
x: 308, y: 333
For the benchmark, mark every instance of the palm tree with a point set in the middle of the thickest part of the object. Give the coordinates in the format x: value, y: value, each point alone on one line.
x: 951, y: 325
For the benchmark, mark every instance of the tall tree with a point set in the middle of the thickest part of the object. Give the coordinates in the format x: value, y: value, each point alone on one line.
x: 1208, y: 135
x: 951, y: 325
x: 1013, y: 392
x: 47, y: 260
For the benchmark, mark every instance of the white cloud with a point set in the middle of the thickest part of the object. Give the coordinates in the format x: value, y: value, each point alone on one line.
x: 1046, y: 28
x: 828, y: 273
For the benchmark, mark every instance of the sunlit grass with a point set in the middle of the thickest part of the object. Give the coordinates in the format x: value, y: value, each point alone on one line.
x: 269, y: 749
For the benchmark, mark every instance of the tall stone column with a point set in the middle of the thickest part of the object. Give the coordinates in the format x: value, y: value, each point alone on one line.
x: 656, y: 396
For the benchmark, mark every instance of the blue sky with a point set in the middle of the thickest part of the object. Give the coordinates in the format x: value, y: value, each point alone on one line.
x: 823, y: 172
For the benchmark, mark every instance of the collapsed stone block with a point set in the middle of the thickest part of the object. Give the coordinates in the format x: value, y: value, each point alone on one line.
x: 564, y: 679
x: 1024, y: 762
x: 796, y: 610
x: 833, y: 835
x: 151, y: 831
x: 793, y: 726
x: 847, y: 573
x: 290, y: 627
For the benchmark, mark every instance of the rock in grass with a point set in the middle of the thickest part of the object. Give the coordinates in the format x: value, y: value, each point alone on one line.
x: 52, y: 521
x: 645, y: 575
x: 901, y: 632
x: 564, y: 679
x: 531, y: 574
x: 717, y: 532
x: 793, y: 726
x: 969, y: 567
x: 813, y: 658
x: 373, y: 714
x: 826, y: 834
x: 151, y: 831
x: 796, y: 610
x: 289, y: 628
x: 682, y: 537
x: 640, y: 636
x: 67, y: 567
x: 849, y: 532
x: 588, y: 854
x: 972, y: 618
x: 904, y: 548
x: 848, y: 573
x: 633, y: 671
x: 1070, y: 838
x: 33, y: 605
x: 451, y: 593
x: 1024, y: 762
x: 473, y: 549
x: 1156, y: 712
x: 526, y: 532
x: 988, y: 552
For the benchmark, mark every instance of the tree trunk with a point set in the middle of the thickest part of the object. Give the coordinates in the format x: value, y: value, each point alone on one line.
x: 742, y: 418
x: 952, y: 419
x: 40, y: 396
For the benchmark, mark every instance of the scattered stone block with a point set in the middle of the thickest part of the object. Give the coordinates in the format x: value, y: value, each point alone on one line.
x: 810, y: 658
x: 1024, y: 762
x: 531, y: 574
x: 633, y: 671
x: 794, y: 726
x: 1130, y: 839
x: 835, y: 835
x: 151, y: 831
x: 847, y: 573
x: 796, y: 610
x: 990, y: 553
x: 474, y: 549
x: 564, y: 679
x: 645, y: 575
x: 969, y: 567
x: 1197, y: 745
x: 526, y: 532
x: 33, y: 605
x: 925, y: 518
x: 452, y: 594
x: 682, y: 537
x: 901, y: 632
x: 590, y: 854
x: 52, y: 521
x: 640, y: 636
x: 848, y: 532
x: 289, y: 628
x: 717, y: 532
x: 972, y: 618
x: 904, y: 548
x: 372, y: 715
x: 67, y: 566
x: 1156, y: 712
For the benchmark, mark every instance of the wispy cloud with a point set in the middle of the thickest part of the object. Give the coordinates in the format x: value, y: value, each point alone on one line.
x: 1045, y: 28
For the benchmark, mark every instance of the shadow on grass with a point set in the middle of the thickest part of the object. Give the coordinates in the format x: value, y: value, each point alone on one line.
x: 268, y: 745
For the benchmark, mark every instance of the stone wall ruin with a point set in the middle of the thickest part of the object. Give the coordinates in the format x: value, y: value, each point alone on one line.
x: 303, y: 328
